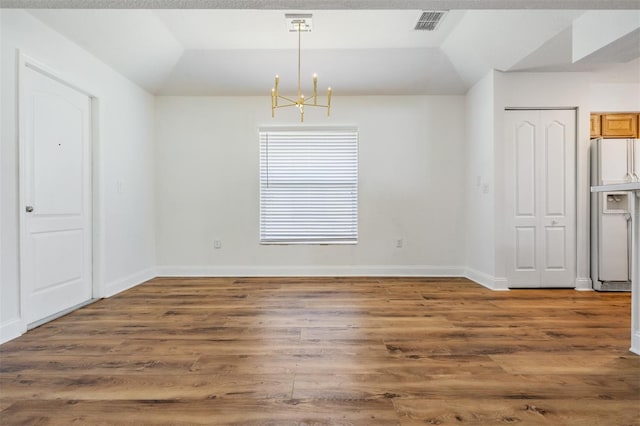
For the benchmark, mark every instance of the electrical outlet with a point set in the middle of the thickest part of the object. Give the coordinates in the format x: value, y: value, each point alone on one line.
x: 399, y: 243
x: 217, y: 244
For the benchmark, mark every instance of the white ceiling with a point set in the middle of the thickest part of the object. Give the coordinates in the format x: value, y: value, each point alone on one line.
x: 322, y: 4
x: 357, y: 52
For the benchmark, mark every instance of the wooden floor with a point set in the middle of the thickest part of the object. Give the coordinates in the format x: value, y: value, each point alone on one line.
x: 305, y: 351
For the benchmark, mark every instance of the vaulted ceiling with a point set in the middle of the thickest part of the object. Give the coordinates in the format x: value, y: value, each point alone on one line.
x: 358, y: 48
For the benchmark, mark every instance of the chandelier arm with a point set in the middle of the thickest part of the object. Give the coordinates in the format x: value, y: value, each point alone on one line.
x: 285, y: 106
x: 288, y: 100
x: 313, y: 104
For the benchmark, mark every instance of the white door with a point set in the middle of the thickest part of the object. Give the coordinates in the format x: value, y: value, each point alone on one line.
x: 540, y: 198
x: 55, y: 177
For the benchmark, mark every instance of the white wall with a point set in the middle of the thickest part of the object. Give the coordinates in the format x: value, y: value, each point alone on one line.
x: 615, y: 97
x: 479, y: 184
x: 411, y: 186
x: 616, y: 88
x: 123, y: 152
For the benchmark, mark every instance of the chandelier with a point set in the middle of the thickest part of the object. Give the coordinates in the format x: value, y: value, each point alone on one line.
x: 298, y: 23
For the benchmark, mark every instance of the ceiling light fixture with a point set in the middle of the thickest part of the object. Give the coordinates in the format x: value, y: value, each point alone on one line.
x: 298, y: 23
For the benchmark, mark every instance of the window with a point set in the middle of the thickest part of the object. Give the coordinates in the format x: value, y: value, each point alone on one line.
x: 308, y: 186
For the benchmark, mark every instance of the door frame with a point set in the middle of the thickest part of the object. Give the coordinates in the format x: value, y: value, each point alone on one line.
x: 575, y: 177
x: 25, y: 61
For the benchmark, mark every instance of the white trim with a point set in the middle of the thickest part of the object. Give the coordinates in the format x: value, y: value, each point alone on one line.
x: 20, y: 131
x: 29, y: 62
x: 11, y: 329
x: 125, y: 283
x: 97, y: 221
x: 500, y: 284
x: 584, y: 284
x: 311, y: 270
x: 486, y: 280
x: 635, y: 343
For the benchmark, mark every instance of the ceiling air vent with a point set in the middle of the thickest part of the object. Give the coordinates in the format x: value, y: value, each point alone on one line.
x: 430, y: 19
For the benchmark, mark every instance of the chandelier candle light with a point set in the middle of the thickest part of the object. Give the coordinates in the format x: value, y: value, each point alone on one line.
x: 299, y: 23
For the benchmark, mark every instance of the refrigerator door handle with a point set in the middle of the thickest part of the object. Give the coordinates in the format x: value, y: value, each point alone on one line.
x: 635, y: 168
x: 632, y: 167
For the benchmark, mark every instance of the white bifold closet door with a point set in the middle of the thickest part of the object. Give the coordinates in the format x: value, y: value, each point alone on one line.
x: 540, y: 198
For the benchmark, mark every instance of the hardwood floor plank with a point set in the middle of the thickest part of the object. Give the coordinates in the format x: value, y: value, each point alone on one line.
x: 145, y: 386
x: 559, y: 412
x: 71, y: 345
x: 212, y: 346
x: 568, y: 363
x: 373, y: 386
x: 203, y: 412
x: 41, y: 363
x: 360, y: 350
x: 186, y: 330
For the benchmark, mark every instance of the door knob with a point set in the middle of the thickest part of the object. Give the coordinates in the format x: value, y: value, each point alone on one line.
x: 29, y: 209
x: 554, y: 222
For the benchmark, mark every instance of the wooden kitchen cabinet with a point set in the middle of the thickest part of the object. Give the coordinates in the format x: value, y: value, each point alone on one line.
x: 619, y: 125
x: 595, y: 126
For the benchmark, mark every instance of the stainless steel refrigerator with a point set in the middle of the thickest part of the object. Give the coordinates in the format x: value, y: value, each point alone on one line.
x: 612, y: 161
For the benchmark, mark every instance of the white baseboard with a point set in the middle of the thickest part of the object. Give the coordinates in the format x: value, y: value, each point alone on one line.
x: 500, y: 284
x: 635, y: 343
x: 584, y: 284
x: 122, y: 284
x: 311, y: 270
x: 11, y: 329
x: 486, y: 280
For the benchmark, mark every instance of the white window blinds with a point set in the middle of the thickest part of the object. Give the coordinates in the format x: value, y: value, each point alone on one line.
x: 308, y: 186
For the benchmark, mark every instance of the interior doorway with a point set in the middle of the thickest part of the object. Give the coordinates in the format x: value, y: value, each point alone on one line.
x: 55, y: 194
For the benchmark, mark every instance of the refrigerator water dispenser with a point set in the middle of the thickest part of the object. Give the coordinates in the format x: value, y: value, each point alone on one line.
x: 616, y: 202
